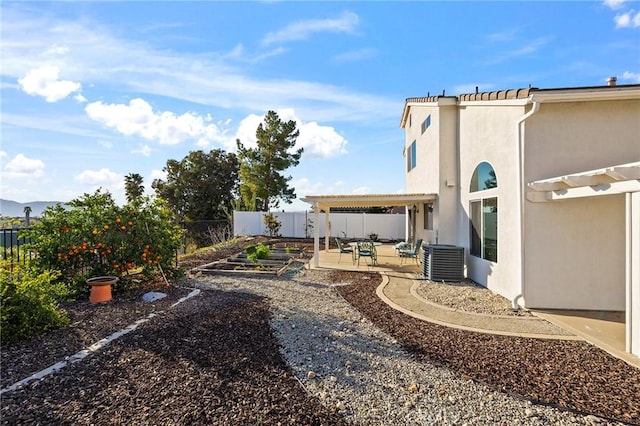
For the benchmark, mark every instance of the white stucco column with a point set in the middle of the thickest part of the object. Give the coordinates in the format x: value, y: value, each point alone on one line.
x: 316, y: 235
x: 632, y: 273
x: 327, y: 231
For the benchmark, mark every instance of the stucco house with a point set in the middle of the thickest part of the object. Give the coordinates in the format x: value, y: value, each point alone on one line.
x: 542, y: 189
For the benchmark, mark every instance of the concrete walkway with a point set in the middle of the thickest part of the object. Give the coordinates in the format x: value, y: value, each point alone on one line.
x: 399, y: 292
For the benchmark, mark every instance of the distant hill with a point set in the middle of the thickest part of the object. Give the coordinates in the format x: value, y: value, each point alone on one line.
x: 14, y: 209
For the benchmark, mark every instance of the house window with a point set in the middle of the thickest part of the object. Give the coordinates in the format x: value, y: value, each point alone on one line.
x: 411, y: 156
x: 428, y: 216
x: 426, y: 123
x: 484, y: 215
x: 484, y: 177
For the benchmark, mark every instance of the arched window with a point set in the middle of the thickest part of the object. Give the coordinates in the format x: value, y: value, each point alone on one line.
x: 484, y: 177
x: 483, y: 217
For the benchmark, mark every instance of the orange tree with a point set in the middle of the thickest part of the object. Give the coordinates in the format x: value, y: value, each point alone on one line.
x: 98, y: 237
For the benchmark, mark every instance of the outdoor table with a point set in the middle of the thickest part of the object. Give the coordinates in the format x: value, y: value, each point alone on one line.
x: 375, y: 243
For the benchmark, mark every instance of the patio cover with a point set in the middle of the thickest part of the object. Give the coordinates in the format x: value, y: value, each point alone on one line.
x: 620, y: 179
x: 624, y: 178
x: 325, y: 202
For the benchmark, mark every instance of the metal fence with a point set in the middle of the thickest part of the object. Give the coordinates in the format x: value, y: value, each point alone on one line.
x: 13, y: 245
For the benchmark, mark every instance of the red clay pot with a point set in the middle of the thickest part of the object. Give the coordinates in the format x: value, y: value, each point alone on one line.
x: 101, y: 288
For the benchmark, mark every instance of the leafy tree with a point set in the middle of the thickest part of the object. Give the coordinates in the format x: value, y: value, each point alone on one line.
x: 133, y: 187
x: 201, y: 186
x: 262, y: 186
x: 98, y: 237
x: 27, y: 214
x: 272, y: 223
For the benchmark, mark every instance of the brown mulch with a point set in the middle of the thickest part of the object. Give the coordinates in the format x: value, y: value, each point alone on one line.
x: 88, y: 323
x: 571, y: 375
x: 210, y: 360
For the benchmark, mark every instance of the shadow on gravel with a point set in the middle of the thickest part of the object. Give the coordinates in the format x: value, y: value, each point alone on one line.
x: 211, y: 360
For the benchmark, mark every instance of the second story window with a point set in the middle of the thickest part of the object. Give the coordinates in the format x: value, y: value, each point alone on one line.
x: 426, y: 123
x: 411, y: 156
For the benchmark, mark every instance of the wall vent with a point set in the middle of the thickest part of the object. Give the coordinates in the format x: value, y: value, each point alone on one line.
x: 443, y: 262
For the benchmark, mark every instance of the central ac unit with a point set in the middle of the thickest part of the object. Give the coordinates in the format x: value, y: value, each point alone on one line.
x: 443, y: 262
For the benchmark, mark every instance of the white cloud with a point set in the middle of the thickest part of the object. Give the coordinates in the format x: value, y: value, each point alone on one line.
x: 44, y: 82
x: 21, y: 166
x: 527, y: 49
x: 98, y: 54
x: 356, y: 55
x: 318, y: 141
x: 634, y: 77
x: 3, y: 154
x: 144, y: 151
x: 138, y: 118
x: 103, y: 177
x: 507, y: 35
x: 614, y: 4
x: 158, y: 174
x: 361, y: 190
x: 627, y: 19
x: 56, y: 50
x: 301, y: 30
x: 303, y: 186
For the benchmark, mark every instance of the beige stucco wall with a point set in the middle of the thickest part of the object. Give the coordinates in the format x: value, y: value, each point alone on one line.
x: 445, y: 220
x: 489, y: 133
x: 424, y: 177
x: 436, y: 168
x: 575, y: 252
x: 565, y: 138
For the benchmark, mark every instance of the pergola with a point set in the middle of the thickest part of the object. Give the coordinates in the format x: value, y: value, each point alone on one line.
x: 620, y: 179
x: 326, y: 202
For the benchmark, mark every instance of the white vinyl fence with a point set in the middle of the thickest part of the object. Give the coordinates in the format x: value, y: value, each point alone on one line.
x: 302, y: 224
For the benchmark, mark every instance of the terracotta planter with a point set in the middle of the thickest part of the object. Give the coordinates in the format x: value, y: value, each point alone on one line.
x: 101, y: 288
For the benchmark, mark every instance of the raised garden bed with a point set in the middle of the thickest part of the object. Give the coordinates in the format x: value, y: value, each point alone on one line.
x: 279, y: 260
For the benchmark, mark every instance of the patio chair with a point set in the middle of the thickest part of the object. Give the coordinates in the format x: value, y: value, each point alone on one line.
x: 367, y: 249
x: 413, y: 253
x: 403, y: 245
x: 344, y: 249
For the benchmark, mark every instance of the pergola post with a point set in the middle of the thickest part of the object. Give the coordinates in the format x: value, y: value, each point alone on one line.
x: 316, y: 236
x: 327, y: 231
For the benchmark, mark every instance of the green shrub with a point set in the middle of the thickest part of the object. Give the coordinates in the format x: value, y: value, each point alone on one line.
x: 272, y: 224
x: 257, y: 252
x: 29, y: 303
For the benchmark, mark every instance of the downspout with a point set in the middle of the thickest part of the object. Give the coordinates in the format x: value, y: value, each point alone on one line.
x: 536, y: 107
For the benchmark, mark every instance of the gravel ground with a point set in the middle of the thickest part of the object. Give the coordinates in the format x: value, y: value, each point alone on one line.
x: 294, y: 351
x: 373, y: 378
x: 468, y: 296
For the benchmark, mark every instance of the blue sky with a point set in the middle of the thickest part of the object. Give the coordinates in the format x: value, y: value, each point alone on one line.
x: 92, y: 91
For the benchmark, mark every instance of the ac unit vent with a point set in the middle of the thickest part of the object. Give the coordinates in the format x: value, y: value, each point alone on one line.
x: 443, y: 262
